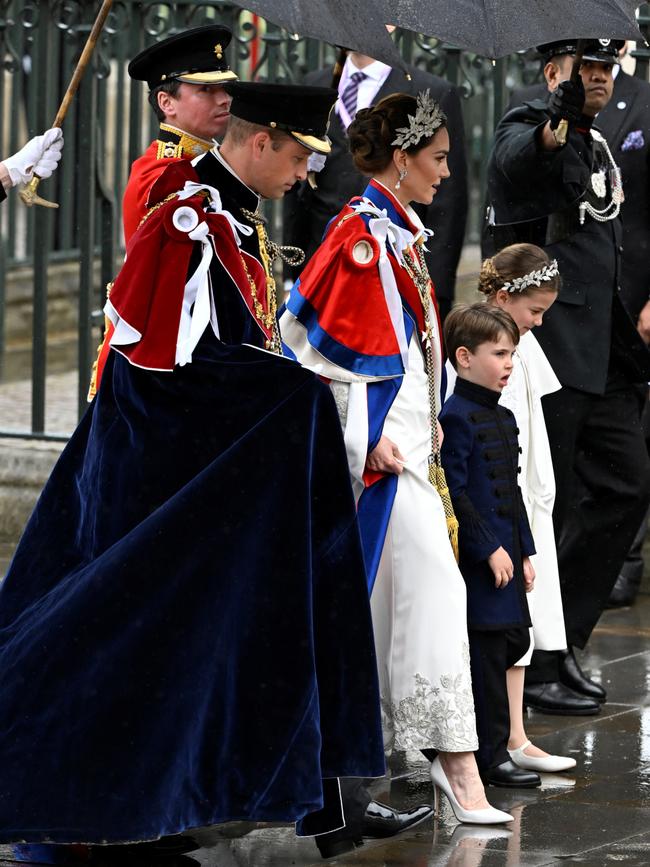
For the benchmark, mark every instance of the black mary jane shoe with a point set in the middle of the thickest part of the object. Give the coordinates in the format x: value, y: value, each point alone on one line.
x: 510, y: 776
x: 379, y: 821
x: 556, y: 698
x: 573, y: 676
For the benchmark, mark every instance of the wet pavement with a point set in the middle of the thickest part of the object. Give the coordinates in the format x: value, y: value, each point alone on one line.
x: 597, y: 815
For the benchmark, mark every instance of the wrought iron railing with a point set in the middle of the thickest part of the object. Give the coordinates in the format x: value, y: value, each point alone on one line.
x: 110, y: 124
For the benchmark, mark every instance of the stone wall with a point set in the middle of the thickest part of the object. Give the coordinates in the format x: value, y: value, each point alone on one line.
x: 62, y: 319
x: 24, y: 468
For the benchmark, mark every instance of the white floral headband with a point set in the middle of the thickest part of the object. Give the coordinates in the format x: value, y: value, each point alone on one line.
x: 533, y: 278
x: 427, y: 119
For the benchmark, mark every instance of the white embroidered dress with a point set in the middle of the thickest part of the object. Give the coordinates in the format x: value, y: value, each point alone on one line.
x: 418, y: 602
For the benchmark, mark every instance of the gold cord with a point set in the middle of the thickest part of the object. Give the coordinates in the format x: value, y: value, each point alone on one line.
x: 416, y: 268
x: 269, y: 251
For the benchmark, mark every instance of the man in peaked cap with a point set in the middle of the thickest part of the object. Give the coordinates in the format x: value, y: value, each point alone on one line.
x: 186, y: 74
x: 565, y: 194
x: 232, y: 673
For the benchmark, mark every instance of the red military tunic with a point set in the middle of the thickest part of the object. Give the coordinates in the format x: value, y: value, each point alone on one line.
x: 172, y: 145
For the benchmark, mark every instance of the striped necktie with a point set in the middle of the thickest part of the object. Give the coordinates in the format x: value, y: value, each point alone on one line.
x: 349, y: 95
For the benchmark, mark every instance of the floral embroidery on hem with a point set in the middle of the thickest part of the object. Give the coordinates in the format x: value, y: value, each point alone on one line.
x: 439, y: 717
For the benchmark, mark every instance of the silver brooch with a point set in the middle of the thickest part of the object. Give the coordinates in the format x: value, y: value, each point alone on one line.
x: 427, y: 119
x: 599, y: 184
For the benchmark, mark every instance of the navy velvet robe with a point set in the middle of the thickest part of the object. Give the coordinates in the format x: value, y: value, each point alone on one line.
x: 185, y: 633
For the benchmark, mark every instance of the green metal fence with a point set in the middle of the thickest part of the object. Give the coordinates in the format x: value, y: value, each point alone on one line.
x: 110, y: 124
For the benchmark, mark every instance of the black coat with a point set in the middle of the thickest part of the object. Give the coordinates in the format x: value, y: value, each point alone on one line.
x: 535, y: 196
x: 308, y: 211
x: 627, y: 112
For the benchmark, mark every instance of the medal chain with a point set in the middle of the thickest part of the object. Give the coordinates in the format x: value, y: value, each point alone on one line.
x: 612, y: 209
x: 269, y: 251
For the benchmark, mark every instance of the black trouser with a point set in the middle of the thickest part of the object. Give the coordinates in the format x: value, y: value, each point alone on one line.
x: 492, y: 653
x: 354, y: 799
x: 602, y: 479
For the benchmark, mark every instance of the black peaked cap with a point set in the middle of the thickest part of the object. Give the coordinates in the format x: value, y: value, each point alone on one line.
x: 301, y: 111
x: 600, y: 50
x: 197, y: 56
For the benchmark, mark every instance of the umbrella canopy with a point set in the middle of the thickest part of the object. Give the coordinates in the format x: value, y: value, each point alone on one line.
x: 495, y: 28
x: 353, y: 24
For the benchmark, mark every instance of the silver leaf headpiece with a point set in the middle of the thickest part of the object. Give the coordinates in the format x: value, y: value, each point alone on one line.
x: 428, y: 118
x: 533, y: 278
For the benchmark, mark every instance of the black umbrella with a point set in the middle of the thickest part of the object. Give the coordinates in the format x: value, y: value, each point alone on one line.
x: 495, y: 28
x: 353, y: 24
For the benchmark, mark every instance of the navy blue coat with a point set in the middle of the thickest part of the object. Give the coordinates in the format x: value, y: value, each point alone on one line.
x: 480, y: 453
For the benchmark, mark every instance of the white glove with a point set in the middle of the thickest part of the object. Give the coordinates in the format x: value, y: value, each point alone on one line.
x: 39, y: 156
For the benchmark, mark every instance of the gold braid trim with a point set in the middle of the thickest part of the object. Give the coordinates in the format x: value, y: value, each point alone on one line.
x: 155, y: 207
x: 269, y: 252
x: 92, y: 388
x: 186, y: 144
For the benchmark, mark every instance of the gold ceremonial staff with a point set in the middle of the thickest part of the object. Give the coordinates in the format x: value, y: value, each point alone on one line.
x: 28, y: 194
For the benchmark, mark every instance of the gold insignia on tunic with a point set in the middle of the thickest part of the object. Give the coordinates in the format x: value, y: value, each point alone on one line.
x: 168, y: 150
x: 183, y: 145
x: 218, y: 50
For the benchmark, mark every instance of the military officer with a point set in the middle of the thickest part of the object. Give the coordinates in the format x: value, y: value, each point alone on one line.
x: 186, y: 74
x: 566, y: 195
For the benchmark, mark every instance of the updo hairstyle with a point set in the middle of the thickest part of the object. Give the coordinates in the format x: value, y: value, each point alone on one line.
x: 373, y: 129
x: 511, y: 262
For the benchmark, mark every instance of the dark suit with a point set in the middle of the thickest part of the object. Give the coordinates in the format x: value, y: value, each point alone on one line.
x: 593, y: 422
x: 308, y: 211
x: 626, y: 114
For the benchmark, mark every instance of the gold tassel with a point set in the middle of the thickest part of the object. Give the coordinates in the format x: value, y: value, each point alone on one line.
x: 439, y: 481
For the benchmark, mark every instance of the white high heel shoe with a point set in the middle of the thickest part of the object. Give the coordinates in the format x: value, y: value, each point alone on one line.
x: 486, y: 816
x: 545, y: 764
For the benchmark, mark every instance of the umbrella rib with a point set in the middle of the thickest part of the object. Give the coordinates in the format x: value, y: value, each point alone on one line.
x: 490, y: 12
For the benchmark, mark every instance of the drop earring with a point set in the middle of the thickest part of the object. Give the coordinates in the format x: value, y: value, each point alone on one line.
x: 402, y: 174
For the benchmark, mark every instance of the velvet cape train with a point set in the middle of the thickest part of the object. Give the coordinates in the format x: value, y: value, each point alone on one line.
x: 185, y: 633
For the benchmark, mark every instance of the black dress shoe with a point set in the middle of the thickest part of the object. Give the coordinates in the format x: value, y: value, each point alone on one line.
x: 572, y: 675
x: 625, y: 590
x: 556, y: 698
x: 383, y: 821
x: 378, y: 821
x: 511, y: 776
x: 329, y: 848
